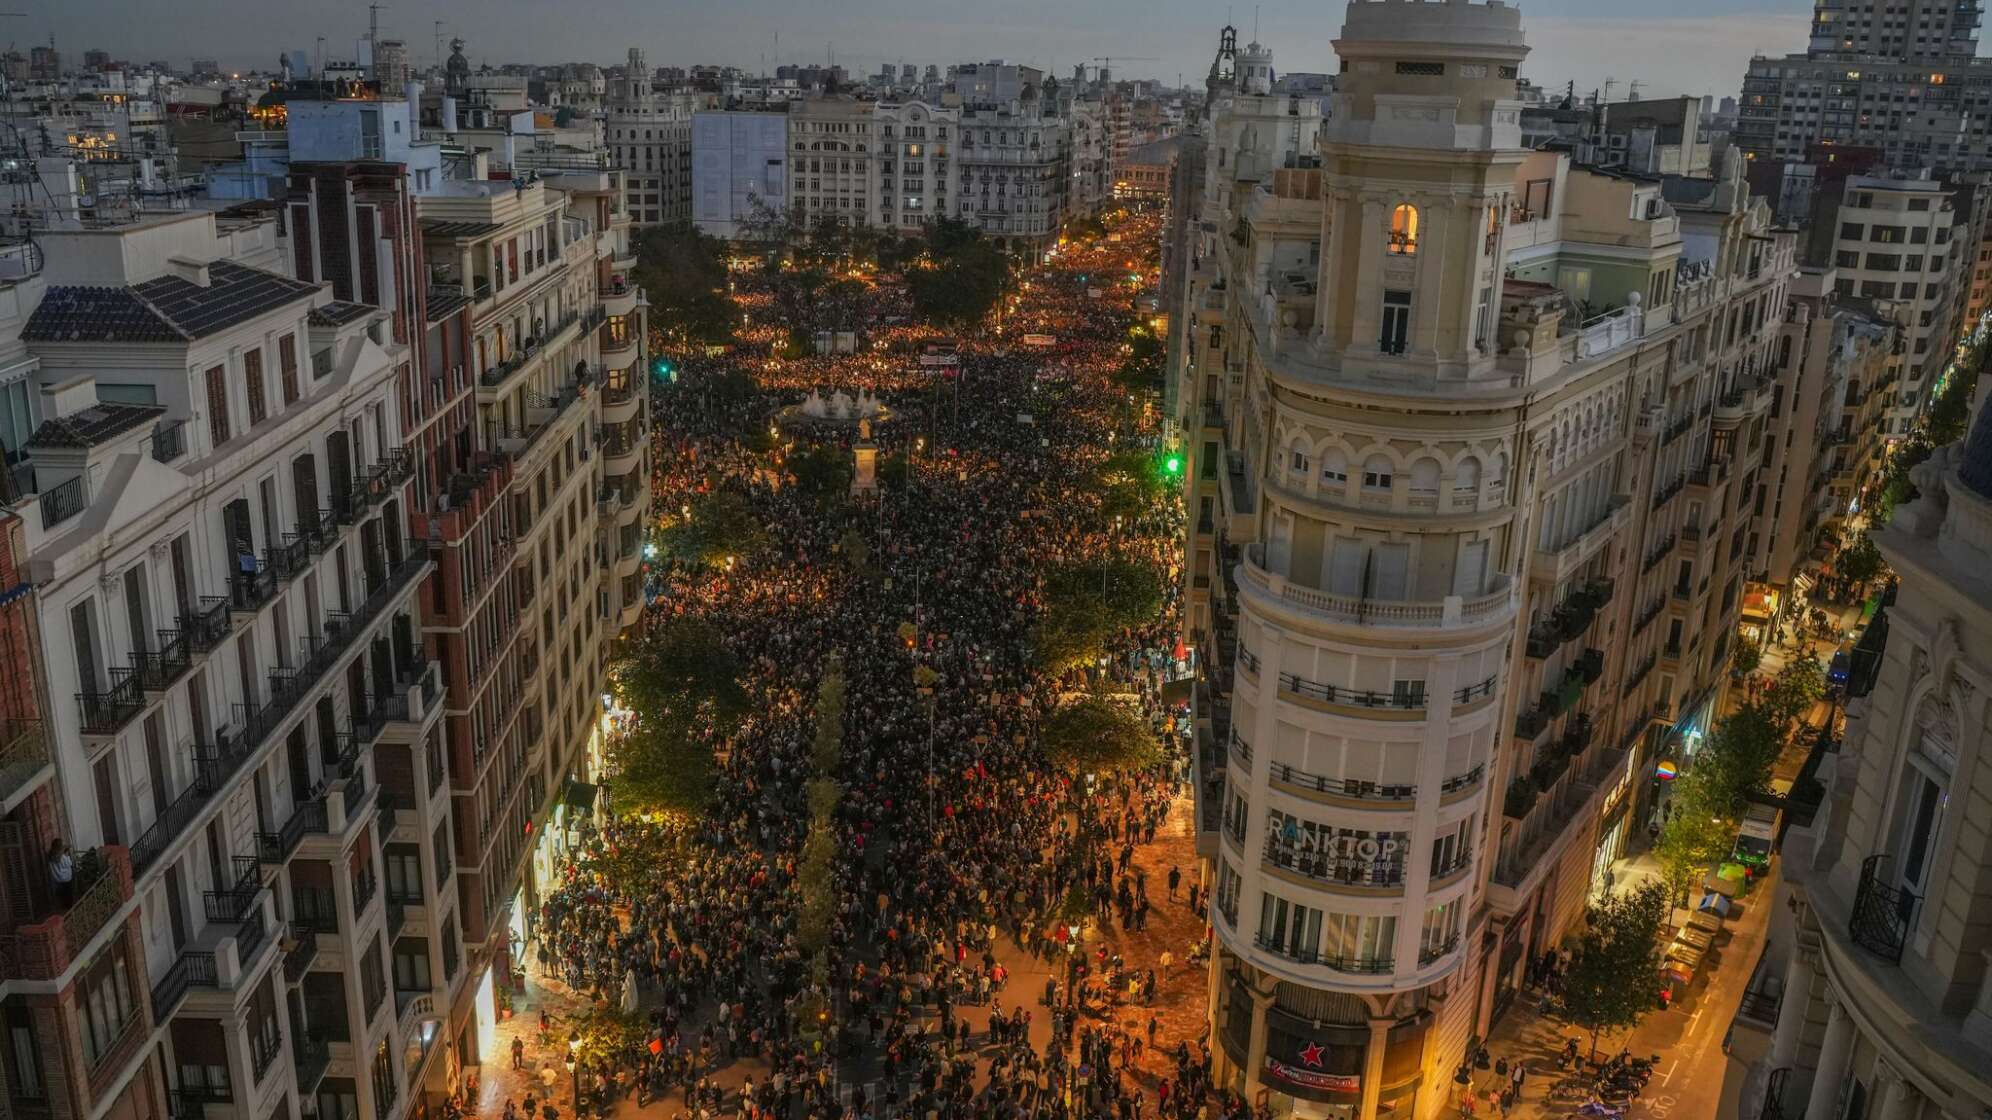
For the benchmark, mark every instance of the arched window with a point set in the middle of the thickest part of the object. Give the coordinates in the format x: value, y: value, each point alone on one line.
x: 1466, y: 479
x: 1334, y: 468
x: 1376, y: 473
x: 1425, y: 476
x: 1404, y: 229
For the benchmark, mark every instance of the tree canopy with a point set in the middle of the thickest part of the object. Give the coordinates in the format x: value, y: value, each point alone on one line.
x: 1086, y: 604
x: 961, y: 279
x: 1614, y: 970
x: 1098, y: 734
x: 683, y: 275
x: 721, y: 526
x: 682, y: 686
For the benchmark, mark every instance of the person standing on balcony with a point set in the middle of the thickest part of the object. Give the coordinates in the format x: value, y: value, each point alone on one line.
x: 61, y: 872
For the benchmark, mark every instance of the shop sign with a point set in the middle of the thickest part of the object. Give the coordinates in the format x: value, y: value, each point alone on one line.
x: 1313, y: 1078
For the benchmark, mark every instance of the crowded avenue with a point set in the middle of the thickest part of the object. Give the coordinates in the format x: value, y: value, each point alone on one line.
x: 1006, y: 939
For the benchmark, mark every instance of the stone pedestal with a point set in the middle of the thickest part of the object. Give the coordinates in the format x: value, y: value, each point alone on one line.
x: 864, y: 479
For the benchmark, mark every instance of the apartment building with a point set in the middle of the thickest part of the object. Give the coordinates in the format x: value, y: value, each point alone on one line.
x: 1885, y: 1002
x: 831, y: 152
x: 1903, y: 244
x: 227, y: 602
x: 1835, y: 355
x: 915, y: 142
x: 541, y: 517
x: 1015, y: 161
x: 81, y: 1040
x: 1475, y: 435
x: 1901, y: 77
x: 739, y: 170
x: 649, y: 138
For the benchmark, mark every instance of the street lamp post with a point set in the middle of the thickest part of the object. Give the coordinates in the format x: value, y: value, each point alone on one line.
x: 574, y: 1066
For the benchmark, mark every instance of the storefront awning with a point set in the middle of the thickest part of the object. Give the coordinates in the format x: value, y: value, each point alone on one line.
x: 580, y: 797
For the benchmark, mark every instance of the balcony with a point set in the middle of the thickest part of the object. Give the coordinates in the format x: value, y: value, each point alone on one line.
x: 158, y: 669
x: 45, y: 948
x: 64, y: 500
x: 1364, y: 966
x: 413, y: 699
x: 561, y: 331
x: 311, y: 1054
x: 1455, y: 611
x: 541, y: 414
x: 263, y: 1051
x: 302, y: 951
x: 191, y: 969
x: 1384, y: 876
x: 1882, y: 915
x: 1353, y: 788
x: 1559, y: 563
x: 105, y: 712
x: 277, y: 847
x: 1570, y: 618
x: 1407, y: 700
x: 23, y: 754
x: 209, y: 625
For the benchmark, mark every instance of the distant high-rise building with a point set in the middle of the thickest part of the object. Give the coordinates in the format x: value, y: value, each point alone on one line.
x: 390, y: 64
x: 96, y: 59
x: 208, y: 67
x: 44, y: 64
x: 1904, y: 81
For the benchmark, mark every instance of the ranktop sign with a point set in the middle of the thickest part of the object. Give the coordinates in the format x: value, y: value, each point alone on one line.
x: 1312, y: 1078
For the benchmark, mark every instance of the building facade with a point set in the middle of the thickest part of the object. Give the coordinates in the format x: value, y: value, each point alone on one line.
x: 1474, y: 436
x: 1885, y: 1005
x: 649, y: 138
x: 739, y: 170
x: 830, y: 160
x: 1014, y: 161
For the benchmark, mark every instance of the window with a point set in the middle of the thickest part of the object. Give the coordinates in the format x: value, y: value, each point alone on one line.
x: 1334, y: 468
x: 1357, y: 939
x: 217, y: 403
x: 1407, y: 694
x: 252, y: 377
x: 373, y: 984
x: 411, y: 965
x: 1422, y: 69
x: 1404, y: 229
x: 404, y: 871
x: 1396, y: 329
x: 107, y: 1005
x: 287, y: 366
x: 1377, y: 473
x: 1289, y: 928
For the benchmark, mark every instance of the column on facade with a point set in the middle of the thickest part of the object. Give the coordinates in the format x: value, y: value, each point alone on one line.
x: 1833, y: 1055
x: 1429, y: 288
x: 1369, y: 271
x: 1373, y: 1066
x: 1792, y: 1012
x: 1903, y: 1101
x: 1255, y: 1052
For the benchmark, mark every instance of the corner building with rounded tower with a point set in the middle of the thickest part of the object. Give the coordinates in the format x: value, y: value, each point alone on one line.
x: 1446, y: 399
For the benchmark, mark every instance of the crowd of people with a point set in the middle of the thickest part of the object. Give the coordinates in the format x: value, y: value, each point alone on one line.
x: 959, y: 852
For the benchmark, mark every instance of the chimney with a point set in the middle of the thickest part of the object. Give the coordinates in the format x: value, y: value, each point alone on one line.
x: 189, y: 269
x: 449, y: 114
x: 414, y: 94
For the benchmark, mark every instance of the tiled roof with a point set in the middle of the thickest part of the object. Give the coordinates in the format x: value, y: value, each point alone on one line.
x: 93, y: 425
x: 338, y: 313
x: 166, y: 309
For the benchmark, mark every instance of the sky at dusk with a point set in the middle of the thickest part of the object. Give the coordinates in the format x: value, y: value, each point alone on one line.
x: 1682, y: 46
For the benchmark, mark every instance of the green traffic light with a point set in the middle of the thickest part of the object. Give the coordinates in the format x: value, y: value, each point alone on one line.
x: 1174, y: 464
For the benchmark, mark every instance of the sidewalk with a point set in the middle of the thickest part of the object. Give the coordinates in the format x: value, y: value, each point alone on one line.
x: 1698, y: 1075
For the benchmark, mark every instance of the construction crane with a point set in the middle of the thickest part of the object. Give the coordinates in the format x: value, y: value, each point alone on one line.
x: 1106, y: 63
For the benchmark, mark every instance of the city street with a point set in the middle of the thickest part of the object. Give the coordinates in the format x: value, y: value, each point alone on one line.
x: 1004, y: 938
x: 1696, y: 1078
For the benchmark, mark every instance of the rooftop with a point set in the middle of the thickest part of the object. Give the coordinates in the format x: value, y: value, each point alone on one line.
x: 338, y: 313
x: 94, y: 425
x: 165, y: 309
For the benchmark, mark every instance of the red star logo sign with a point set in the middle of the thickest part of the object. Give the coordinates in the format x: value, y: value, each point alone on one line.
x: 1310, y: 1055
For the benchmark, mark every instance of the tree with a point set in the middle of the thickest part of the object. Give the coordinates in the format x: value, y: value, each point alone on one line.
x: 1860, y: 562
x: 1733, y: 764
x: 682, y: 684
x: 822, y: 472
x: 1689, y: 845
x: 1609, y: 985
x: 683, y: 275
x: 1747, y: 657
x: 1797, y: 686
x: 1096, y: 734
x: 961, y: 279
x: 721, y: 528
